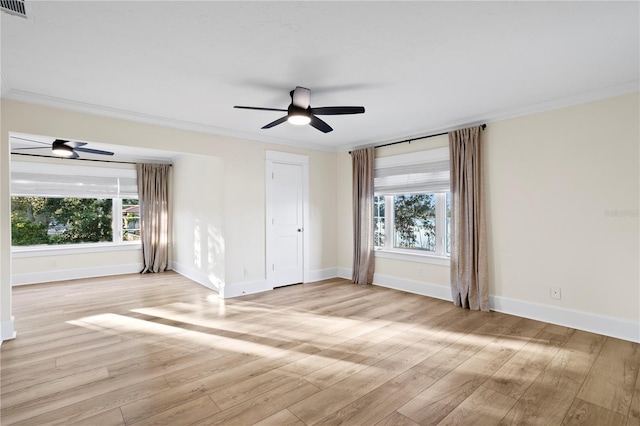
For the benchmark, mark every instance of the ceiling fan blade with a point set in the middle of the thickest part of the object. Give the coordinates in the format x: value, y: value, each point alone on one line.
x: 300, y: 97
x: 275, y: 123
x: 260, y: 108
x: 338, y: 110
x: 30, y: 140
x: 33, y: 147
x: 74, y: 144
x: 93, y: 151
x: 320, y: 125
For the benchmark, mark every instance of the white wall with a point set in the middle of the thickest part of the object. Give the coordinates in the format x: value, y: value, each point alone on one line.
x: 198, y: 241
x: 240, y: 199
x: 562, y: 204
x: 323, y: 215
x: 6, y: 319
x: 68, y: 264
x: 553, y: 181
x: 243, y: 205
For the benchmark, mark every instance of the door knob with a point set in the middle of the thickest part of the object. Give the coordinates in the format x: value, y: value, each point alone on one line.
x: 299, y: 229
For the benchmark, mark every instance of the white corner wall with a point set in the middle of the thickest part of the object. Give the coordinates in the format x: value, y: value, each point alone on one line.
x: 198, y: 241
x: 562, y: 205
x: 562, y: 193
x: 236, y: 203
x: 7, y: 330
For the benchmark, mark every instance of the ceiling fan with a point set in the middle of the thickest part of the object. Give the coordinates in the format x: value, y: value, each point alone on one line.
x: 63, y: 148
x: 300, y: 112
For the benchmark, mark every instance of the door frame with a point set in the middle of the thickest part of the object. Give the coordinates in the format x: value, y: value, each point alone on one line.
x: 272, y: 157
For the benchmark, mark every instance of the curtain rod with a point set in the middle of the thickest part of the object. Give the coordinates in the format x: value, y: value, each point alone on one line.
x: 483, y: 126
x: 80, y: 159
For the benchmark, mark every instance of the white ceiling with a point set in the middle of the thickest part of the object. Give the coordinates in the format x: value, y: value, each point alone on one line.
x: 417, y: 67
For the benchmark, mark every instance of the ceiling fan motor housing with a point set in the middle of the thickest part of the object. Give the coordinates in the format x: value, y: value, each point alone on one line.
x: 300, y: 112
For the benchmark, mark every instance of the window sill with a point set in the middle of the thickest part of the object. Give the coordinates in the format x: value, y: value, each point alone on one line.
x: 413, y: 257
x: 41, y: 251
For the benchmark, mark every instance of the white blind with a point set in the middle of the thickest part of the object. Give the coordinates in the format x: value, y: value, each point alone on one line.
x: 52, y: 180
x: 422, y: 172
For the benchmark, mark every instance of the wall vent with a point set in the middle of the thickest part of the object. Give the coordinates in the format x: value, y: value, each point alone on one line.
x: 14, y: 7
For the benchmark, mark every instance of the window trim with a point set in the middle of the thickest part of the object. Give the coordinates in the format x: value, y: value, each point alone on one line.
x: 439, y: 257
x: 18, y: 252
x: 409, y: 255
x: 75, y: 248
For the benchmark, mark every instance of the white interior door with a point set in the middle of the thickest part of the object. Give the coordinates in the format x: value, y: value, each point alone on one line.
x: 286, y: 237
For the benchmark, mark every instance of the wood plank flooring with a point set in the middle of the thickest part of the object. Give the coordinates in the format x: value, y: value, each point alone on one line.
x: 162, y: 350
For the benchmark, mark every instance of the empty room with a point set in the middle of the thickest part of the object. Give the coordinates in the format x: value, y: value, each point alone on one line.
x: 319, y: 213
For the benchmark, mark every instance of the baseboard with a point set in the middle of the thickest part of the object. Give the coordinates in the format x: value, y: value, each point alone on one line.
x: 7, y: 330
x: 410, y: 286
x: 244, y: 288
x: 416, y: 287
x: 607, y: 326
x: 73, y: 274
x: 344, y: 273
x: 258, y: 286
x: 321, y: 274
x: 225, y: 291
x: 195, y: 275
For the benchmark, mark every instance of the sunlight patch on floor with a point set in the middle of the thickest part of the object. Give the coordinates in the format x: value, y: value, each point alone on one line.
x: 269, y: 345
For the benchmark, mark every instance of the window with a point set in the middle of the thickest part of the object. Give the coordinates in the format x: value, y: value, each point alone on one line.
x: 53, y: 221
x: 379, y: 207
x: 56, y: 204
x: 130, y: 220
x: 412, y: 204
x: 416, y: 222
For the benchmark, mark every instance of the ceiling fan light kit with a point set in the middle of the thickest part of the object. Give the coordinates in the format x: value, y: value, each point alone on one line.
x: 298, y: 116
x: 60, y: 149
x: 300, y: 112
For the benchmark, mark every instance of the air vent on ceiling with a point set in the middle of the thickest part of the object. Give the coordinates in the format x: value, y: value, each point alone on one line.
x: 14, y: 7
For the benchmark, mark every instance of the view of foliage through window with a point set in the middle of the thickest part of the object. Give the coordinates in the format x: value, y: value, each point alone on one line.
x: 412, y: 221
x: 415, y: 221
x: 40, y: 220
x: 378, y: 221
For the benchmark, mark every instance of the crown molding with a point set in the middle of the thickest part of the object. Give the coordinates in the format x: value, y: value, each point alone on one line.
x: 507, y: 114
x: 87, y: 108
x: 55, y: 102
x: 4, y: 87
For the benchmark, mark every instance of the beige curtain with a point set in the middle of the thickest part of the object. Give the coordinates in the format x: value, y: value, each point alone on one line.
x: 469, y: 277
x: 363, y: 259
x: 153, y: 194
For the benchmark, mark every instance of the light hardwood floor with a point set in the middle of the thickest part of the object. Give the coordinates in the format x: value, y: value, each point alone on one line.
x: 161, y: 350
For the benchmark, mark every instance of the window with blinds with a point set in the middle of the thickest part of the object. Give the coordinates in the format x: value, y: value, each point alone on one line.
x: 412, y: 203
x: 52, y: 180
x: 54, y: 204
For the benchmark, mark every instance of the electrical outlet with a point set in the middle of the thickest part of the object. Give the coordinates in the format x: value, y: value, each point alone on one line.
x: 555, y: 293
x: 419, y: 270
x: 246, y: 272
